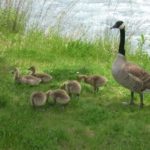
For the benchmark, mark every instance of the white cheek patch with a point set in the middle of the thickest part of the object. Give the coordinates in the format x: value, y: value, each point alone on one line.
x: 122, y: 26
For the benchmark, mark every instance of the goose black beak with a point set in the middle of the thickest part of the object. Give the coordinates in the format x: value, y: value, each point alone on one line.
x: 113, y: 27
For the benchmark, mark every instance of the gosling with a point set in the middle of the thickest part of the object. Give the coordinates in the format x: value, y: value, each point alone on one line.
x: 95, y: 81
x: 38, y: 99
x: 26, y: 79
x: 72, y: 87
x: 59, y: 96
x: 43, y: 76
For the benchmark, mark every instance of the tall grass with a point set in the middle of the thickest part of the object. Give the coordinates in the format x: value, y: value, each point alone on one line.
x: 14, y: 15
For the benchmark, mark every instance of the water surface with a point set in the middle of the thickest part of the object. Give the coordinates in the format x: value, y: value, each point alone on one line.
x: 89, y: 18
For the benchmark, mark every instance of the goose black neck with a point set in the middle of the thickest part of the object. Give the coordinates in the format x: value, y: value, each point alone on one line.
x: 122, y: 42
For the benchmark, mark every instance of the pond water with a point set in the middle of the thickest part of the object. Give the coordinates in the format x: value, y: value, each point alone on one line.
x: 90, y: 18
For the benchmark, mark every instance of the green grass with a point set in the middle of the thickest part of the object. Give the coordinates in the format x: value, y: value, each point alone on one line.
x: 94, y: 122
x: 14, y: 15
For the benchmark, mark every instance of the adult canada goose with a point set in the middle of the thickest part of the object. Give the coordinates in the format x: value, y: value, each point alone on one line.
x: 127, y: 74
x: 43, y: 76
x: 26, y: 79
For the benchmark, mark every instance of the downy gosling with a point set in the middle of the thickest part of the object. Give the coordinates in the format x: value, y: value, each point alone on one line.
x: 38, y: 99
x: 96, y: 81
x: 59, y: 96
x: 72, y: 87
x: 25, y: 79
x: 43, y: 76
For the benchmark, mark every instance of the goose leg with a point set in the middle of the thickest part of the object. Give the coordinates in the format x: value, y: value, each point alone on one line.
x: 141, y: 100
x: 132, y: 98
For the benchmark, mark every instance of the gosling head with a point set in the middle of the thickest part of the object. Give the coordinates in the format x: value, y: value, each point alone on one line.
x: 81, y: 77
x: 118, y: 25
x: 48, y: 93
x: 15, y: 70
x: 63, y: 86
x: 32, y: 68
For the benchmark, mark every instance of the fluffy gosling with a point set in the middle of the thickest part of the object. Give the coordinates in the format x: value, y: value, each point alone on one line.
x: 72, y: 87
x: 38, y: 99
x: 59, y: 96
x: 26, y: 79
x: 43, y: 76
x: 95, y: 81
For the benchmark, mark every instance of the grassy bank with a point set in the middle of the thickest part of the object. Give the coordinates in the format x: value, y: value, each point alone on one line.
x: 97, y: 121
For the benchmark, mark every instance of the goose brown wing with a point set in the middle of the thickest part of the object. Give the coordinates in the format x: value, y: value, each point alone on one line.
x: 139, y: 74
x: 137, y: 71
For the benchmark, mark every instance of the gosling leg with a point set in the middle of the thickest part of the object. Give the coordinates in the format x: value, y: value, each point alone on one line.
x: 70, y: 94
x: 54, y: 102
x: 78, y: 96
x: 63, y: 106
x: 141, y: 100
x: 94, y: 88
x: 97, y: 89
x: 132, y: 98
